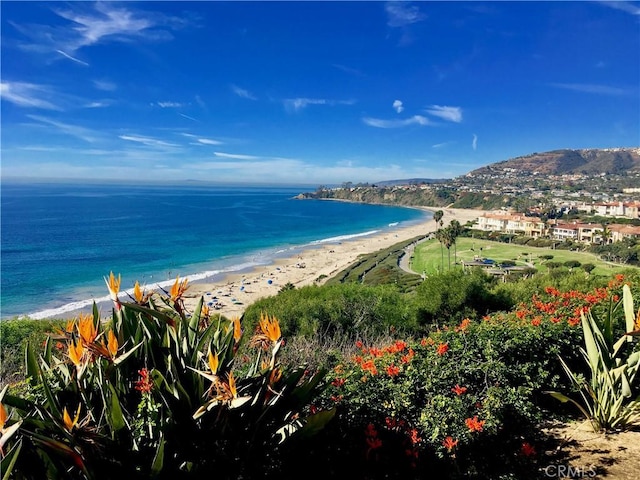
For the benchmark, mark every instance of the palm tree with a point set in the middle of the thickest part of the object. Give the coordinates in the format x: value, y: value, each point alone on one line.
x: 437, y: 216
x: 449, y: 240
x: 605, y: 234
x: 456, y: 230
x: 440, y: 236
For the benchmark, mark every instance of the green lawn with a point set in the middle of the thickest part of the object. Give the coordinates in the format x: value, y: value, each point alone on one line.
x: 429, y: 256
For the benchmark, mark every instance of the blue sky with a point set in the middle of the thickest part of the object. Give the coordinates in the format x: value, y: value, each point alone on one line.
x: 310, y: 92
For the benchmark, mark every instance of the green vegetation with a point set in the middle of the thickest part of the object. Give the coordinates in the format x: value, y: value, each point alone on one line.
x: 14, y: 336
x: 156, y: 393
x: 380, y: 268
x: 608, y: 400
x: 428, y: 256
x: 351, y: 380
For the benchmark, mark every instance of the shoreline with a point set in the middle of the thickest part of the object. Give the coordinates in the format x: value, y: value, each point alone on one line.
x: 229, y: 292
x: 230, y: 295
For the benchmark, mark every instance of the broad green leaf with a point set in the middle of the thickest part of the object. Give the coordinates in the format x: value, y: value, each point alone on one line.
x: 8, y: 432
x: 32, y: 367
x: 629, y: 316
x: 115, y: 411
x: 316, y: 422
x: 9, y: 460
x: 158, y: 459
x: 593, y: 353
x: 126, y: 355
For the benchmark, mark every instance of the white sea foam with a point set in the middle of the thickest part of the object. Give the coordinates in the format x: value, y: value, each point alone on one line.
x: 341, y: 238
x: 83, y: 304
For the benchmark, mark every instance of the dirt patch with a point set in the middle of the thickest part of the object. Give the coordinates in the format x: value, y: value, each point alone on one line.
x: 576, y: 451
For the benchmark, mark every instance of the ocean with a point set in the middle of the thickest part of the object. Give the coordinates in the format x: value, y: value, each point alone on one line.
x: 59, y: 240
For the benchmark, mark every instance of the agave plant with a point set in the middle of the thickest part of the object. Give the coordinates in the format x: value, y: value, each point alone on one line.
x: 155, y: 390
x: 610, y: 398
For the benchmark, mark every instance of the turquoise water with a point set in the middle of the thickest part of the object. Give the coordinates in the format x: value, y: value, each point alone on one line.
x: 60, y: 240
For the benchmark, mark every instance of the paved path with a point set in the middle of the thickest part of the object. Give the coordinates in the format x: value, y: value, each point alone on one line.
x: 405, y: 259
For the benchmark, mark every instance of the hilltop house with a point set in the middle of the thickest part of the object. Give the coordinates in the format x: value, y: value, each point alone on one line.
x: 589, y: 233
x: 504, y: 222
x: 617, y: 209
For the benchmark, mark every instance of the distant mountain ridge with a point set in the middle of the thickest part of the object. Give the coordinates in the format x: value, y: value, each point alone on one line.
x: 591, y: 161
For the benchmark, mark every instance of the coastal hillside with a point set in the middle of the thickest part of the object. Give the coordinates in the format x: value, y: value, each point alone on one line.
x: 498, y: 185
x: 616, y: 161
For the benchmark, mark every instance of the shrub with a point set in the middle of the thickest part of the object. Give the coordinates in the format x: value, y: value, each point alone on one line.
x: 610, y: 398
x: 462, y: 401
x: 451, y: 296
x: 15, y: 333
x: 572, y: 264
x: 339, y: 311
x: 157, y: 391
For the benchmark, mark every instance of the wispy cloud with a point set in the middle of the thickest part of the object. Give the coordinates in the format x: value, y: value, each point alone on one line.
x: 98, y: 104
x: 441, y: 145
x: 242, y: 93
x: 188, y: 117
x: 452, y: 114
x: 208, y: 141
x: 400, y: 14
x: 397, y: 106
x: 352, y: 71
x: 297, y: 104
x: 380, y: 123
x: 77, y: 60
x: 29, y: 95
x: 474, y: 142
x: 235, y: 156
x: 592, y: 88
x: 170, y: 104
x: 93, y: 23
x: 629, y: 7
x: 68, y: 129
x: 105, y: 85
x: 147, y: 141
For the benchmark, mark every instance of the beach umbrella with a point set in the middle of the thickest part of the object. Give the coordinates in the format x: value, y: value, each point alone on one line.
x: 269, y: 281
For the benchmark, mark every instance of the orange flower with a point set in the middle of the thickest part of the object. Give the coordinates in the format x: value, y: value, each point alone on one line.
x: 213, y: 362
x: 458, y: 390
x: 178, y: 289
x: 87, y: 329
x: 76, y: 352
x: 270, y: 327
x: 474, y: 425
x: 66, y: 418
x: 275, y: 376
x: 112, y: 344
x: 392, y: 370
x: 232, y: 385
x: 113, y: 285
x: 137, y: 292
x: 370, y: 367
x: 536, y: 322
x: 449, y: 443
x: 237, y: 330
x: 442, y: 348
x: 464, y: 325
x: 3, y: 417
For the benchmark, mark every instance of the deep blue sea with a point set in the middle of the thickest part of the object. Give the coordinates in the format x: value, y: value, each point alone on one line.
x: 59, y: 241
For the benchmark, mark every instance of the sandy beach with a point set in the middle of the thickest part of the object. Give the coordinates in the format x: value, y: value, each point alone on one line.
x: 232, y: 294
